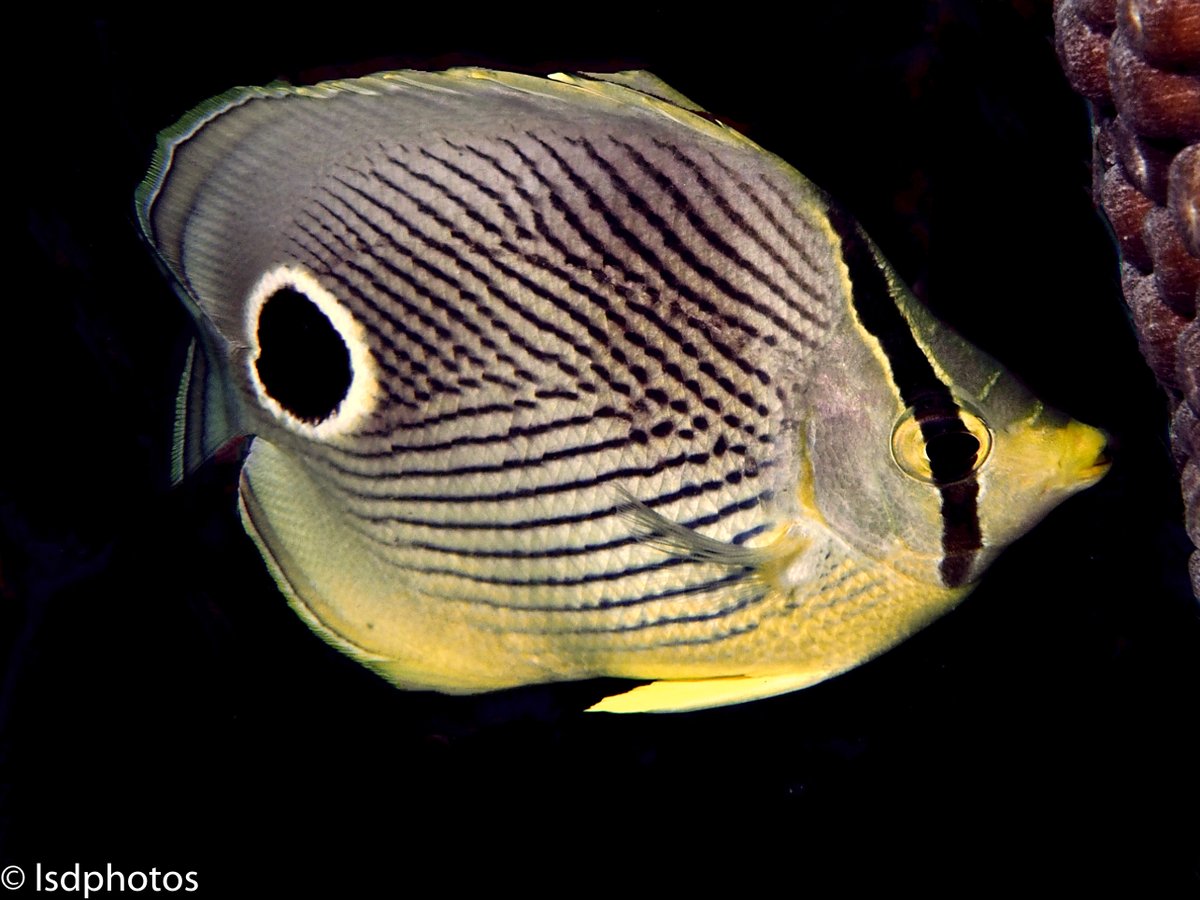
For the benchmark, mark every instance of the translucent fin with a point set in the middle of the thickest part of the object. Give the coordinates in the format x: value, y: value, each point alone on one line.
x: 204, y: 418
x: 684, y: 695
x: 687, y: 543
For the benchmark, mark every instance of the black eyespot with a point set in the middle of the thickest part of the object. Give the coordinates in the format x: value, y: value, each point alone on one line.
x: 303, y: 362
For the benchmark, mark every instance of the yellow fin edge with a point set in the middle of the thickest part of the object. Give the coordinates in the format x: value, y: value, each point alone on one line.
x: 685, y: 695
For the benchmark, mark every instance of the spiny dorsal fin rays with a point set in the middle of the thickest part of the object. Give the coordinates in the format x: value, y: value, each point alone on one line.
x: 635, y: 79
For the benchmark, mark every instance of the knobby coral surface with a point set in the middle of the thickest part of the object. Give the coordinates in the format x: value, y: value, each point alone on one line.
x: 1138, y: 64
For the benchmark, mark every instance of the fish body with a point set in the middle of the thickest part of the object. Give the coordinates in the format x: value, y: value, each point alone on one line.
x: 557, y: 378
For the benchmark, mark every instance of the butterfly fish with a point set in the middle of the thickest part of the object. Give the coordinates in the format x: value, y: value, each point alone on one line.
x: 557, y: 378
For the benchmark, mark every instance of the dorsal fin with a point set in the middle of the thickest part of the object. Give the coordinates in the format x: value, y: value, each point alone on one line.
x: 635, y: 79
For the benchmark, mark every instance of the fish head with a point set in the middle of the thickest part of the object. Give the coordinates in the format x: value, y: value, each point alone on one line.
x: 924, y: 452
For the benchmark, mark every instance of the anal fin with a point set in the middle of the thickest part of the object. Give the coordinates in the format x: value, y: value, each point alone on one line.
x: 684, y: 695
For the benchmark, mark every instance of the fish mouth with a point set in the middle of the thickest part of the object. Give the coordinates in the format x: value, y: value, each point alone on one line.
x: 1095, y: 451
x: 1079, y: 455
x: 1102, y: 463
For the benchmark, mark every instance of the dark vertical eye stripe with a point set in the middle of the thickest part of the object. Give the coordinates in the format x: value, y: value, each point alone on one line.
x: 961, y: 538
x: 920, y: 388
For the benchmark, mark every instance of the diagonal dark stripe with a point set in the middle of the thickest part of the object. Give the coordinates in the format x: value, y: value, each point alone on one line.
x: 575, y: 285
x: 628, y: 276
x: 450, y: 253
x: 419, y: 261
x: 708, y: 232
x: 685, y: 253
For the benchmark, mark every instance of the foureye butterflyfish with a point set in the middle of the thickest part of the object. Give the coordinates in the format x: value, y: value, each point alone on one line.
x: 557, y: 378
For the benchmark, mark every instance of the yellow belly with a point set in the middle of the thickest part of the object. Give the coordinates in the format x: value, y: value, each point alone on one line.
x: 753, y: 638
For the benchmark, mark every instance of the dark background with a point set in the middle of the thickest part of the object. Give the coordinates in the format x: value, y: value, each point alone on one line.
x: 162, y: 707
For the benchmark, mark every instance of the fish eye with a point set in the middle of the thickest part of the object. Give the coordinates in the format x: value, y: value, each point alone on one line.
x: 942, y: 450
x: 309, y: 361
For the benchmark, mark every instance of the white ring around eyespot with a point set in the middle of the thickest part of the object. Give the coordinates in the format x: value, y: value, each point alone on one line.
x: 361, y: 397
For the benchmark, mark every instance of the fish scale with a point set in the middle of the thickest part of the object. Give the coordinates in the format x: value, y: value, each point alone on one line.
x: 621, y: 393
x: 439, y: 204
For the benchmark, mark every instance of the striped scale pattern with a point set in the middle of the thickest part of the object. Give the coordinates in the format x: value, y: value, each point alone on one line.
x: 556, y: 318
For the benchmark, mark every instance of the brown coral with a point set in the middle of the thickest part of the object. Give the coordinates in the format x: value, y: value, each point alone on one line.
x: 1138, y: 63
